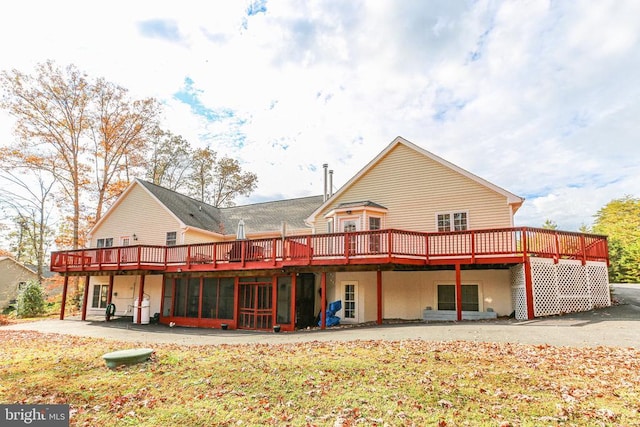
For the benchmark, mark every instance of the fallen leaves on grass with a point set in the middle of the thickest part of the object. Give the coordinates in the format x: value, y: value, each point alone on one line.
x: 325, y: 383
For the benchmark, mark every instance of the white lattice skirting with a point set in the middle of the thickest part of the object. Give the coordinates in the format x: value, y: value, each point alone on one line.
x: 565, y: 287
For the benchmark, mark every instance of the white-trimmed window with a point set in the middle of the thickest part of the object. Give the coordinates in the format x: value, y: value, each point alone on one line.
x: 330, y: 225
x: 99, y: 299
x: 172, y: 238
x: 107, y: 242
x: 452, y: 221
x: 350, y: 298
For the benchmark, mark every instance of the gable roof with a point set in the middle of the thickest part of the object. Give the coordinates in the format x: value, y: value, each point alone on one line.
x: 258, y: 217
x: 512, y: 199
x: 189, y: 211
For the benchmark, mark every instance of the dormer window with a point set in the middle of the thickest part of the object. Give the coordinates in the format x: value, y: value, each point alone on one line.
x: 355, y: 216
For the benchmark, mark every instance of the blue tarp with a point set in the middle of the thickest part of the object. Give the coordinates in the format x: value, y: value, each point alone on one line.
x: 331, y: 318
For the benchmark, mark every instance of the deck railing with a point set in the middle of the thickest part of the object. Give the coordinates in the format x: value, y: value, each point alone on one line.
x: 373, y: 247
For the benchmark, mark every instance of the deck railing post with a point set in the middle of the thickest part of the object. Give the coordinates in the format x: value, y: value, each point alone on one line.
x: 473, y: 247
x: 347, y: 245
x: 426, y: 247
x: 274, y: 247
x: 584, y: 250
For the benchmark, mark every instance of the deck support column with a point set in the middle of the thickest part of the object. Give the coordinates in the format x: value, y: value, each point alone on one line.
x: 379, y: 295
x: 293, y: 300
x: 528, y: 287
x: 140, y: 297
x: 85, y: 297
x: 110, y: 293
x: 458, y: 293
x: 63, y: 303
x: 323, y: 300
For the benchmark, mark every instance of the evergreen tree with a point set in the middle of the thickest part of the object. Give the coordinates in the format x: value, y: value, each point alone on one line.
x: 31, y: 300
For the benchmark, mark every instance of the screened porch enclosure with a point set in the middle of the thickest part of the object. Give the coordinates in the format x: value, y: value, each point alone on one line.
x: 239, y: 302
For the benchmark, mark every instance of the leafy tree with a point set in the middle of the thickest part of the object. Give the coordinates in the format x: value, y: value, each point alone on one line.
x: 31, y: 300
x: 120, y: 130
x: 201, y: 176
x: 620, y: 221
x: 51, y: 111
x: 198, y: 173
x: 550, y: 225
x: 230, y: 181
x: 170, y: 160
x: 86, y: 133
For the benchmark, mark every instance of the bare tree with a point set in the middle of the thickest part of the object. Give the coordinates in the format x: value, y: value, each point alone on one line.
x: 29, y: 198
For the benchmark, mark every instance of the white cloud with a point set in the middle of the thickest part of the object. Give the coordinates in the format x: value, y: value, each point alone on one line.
x: 539, y: 98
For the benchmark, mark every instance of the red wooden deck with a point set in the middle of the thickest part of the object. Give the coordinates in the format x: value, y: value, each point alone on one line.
x: 507, y: 245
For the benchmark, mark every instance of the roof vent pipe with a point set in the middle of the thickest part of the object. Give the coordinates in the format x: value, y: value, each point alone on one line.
x: 330, y: 182
x: 324, y: 194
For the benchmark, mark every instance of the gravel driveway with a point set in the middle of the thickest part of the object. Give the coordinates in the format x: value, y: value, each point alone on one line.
x: 618, y: 325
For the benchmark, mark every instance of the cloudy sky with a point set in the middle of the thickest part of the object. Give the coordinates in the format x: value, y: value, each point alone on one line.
x: 539, y: 97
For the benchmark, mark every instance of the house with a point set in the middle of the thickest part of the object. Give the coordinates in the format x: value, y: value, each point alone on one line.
x: 14, y: 276
x: 410, y: 236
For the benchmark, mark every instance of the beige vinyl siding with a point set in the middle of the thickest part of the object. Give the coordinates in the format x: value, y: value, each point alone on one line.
x: 407, y: 293
x: 140, y: 214
x: 197, y: 236
x: 414, y: 188
x: 126, y: 290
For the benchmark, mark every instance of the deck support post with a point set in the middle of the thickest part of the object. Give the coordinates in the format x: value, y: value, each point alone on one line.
x: 458, y: 293
x: 140, y: 297
x: 85, y: 297
x: 323, y: 300
x: 293, y: 300
x: 379, y: 295
x: 63, y: 303
x: 110, y: 293
x: 528, y: 287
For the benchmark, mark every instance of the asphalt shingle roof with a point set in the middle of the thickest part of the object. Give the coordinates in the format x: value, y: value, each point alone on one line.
x: 258, y: 217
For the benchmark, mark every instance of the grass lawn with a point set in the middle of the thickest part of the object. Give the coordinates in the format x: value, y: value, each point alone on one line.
x: 366, y: 383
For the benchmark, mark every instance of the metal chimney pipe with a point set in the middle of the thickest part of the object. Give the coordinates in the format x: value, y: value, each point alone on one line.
x: 330, y: 182
x: 324, y: 194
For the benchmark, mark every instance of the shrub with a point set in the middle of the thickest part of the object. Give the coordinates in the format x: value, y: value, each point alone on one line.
x: 31, y: 300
